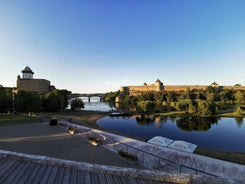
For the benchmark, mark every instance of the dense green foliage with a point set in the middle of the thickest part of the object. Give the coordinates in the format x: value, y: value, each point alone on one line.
x: 5, y: 100
x: 30, y: 101
x: 196, y: 102
x: 111, y: 96
x: 77, y: 104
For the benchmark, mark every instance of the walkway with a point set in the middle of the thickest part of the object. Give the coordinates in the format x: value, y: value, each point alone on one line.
x: 31, y: 169
x: 83, y: 163
x: 55, y: 141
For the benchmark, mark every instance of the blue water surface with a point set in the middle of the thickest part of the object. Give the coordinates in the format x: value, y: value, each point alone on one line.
x: 226, y: 134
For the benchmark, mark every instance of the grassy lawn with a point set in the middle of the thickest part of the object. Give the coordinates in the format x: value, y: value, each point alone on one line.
x: 84, y: 118
x: 181, y: 114
x: 222, y: 155
x: 8, y: 120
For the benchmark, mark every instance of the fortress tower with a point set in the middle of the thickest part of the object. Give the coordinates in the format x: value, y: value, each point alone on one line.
x: 28, y: 83
x: 136, y: 90
x: 27, y: 73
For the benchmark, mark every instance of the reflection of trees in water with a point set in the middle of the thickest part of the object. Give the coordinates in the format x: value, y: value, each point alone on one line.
x: 173, y: 119
x: 196, y: 123
x: 239, y: 121
x: 111, y: 104
x: 164, y: 119
x: 123, y: 107
x: 145, y: 119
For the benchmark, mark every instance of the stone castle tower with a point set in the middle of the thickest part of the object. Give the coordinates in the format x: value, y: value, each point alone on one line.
x: 28, y: 83
x: 136, y: 90
x: 27, y: 73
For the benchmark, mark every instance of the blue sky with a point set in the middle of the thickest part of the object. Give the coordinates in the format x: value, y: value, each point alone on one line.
x: 98, y: 46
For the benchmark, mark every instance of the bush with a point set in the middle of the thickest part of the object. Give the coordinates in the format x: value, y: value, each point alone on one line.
x: 95, y: 141
x: 127, y: 155
x: 53, y: 122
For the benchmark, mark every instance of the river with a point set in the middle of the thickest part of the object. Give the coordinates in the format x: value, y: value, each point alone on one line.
x: 224, y: 134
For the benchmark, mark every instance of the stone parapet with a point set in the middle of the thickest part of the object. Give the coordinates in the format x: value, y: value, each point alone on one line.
x: 167, y: 159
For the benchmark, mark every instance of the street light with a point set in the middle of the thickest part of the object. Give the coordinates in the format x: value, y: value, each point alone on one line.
x: 13, y: 99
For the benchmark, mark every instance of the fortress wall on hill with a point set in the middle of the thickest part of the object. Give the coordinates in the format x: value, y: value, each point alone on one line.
x: 234, y: 87
x: 40, y: 85
x: 183, y: 87
x: 137, y: 90
x: 143, y: 88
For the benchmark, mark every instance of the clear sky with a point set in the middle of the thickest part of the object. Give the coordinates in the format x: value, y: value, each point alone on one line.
x: 98, y: 46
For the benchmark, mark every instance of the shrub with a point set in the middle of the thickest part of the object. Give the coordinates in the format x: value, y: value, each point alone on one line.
x: 53, y: 122
x: 95, y: 141
x: 127, y: 155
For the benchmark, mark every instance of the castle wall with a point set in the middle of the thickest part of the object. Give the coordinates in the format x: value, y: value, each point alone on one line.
x: 184, y: 87
x: 39, y: 85
x: 137, y: 90
x: 242, y: 88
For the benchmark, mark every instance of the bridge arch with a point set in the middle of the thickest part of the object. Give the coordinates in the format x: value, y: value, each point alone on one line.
x: 88, y: 95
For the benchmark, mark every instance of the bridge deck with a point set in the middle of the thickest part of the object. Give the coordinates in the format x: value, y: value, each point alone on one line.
x: 23, y: 171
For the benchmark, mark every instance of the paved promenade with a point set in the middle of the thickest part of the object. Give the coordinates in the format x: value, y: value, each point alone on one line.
x: 59, y: 157
x: 56, y: 141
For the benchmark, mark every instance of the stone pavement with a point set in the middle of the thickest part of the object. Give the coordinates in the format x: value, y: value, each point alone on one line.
x: 55, y: 141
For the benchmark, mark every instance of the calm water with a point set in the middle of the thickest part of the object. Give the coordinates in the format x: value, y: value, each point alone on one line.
x: 95, y: 105
x: 227, y: 134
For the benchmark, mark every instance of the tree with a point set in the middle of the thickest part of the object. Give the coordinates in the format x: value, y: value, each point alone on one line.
x: 226, y: 95
x: 5, y: 100
x: 158, y: 97
x: 55, y: 100
x: 239, y: 97
x: 206, y: 108
x: 184, y: 105
x: 210, y: 97
x: 28, y: 101
x: 77, y: 104
x: 211, y: 89
x: 146, y: 96
x: 146, y: 106
x: 171, y: 97
x: 111, y: 96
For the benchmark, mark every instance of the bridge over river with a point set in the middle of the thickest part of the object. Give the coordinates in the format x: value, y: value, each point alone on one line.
x: 88, y: 95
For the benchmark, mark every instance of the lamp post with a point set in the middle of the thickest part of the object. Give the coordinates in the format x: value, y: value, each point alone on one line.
x: 13, y: 99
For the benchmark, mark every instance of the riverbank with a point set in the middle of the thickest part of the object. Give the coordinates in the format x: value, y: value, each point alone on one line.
x: 230, y: 114
x: 89, y: 118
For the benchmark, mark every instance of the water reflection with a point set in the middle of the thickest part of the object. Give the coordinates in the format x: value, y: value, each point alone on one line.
x: 145, y: 119
x: 225, y: 134
x: 239, y: 121
x: 196, y: 123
